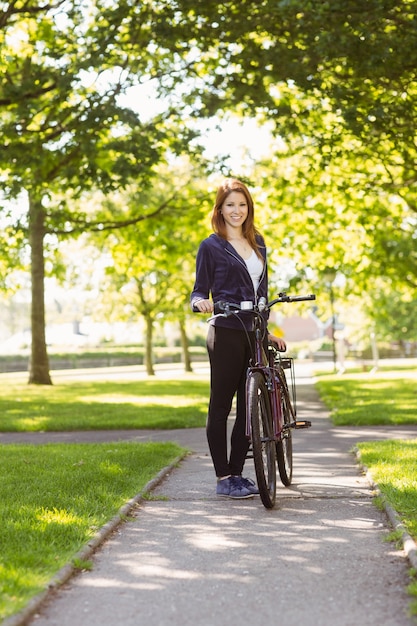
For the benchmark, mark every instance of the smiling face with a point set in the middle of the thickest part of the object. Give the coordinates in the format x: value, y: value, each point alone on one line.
x: 230, y: 221
x: 235, y: 211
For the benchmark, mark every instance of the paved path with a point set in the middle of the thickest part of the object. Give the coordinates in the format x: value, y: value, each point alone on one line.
x: 319, y: 558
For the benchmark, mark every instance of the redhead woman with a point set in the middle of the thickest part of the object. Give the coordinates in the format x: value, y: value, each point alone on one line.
x: 231, y: 265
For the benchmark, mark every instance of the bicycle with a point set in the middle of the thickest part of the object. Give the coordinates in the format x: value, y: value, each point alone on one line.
x: 270, y: 403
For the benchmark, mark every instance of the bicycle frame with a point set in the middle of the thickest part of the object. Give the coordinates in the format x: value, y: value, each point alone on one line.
x: 270, y: 410
x: 276, y: 384
x: 274, y: 376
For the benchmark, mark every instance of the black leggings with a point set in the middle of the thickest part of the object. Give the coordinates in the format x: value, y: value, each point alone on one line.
x: 229, y: 354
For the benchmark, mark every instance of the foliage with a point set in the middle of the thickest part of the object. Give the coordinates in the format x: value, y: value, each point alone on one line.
x: 330, y: 211
x: 55, y: 498
x: 393, y: 313
x: 68, y: 125
x: 64, y: 68
x: 150, y: 267
x: 336, y: 80
x: 10, y: 259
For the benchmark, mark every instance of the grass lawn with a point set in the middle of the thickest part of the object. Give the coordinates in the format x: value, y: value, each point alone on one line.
x: 393, y: 466
x: 53, y: 500
x: 69, y: 405
x: 364, y: 400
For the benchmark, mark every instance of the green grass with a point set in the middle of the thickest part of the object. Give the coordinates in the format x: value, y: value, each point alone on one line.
x: 91, y: 405
x: 363, y: 400
x: 54, y: 499
x: 393, y: 466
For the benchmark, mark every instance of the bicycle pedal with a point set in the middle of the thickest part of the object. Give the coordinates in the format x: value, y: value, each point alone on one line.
x: 302, y: 424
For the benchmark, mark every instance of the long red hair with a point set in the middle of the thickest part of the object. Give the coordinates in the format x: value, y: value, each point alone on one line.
x: 249, y: 230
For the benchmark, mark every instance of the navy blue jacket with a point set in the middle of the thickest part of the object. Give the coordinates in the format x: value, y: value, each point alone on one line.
x: 221, y: 272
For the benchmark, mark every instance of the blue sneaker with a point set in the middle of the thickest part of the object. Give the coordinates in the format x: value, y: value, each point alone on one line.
x: 250, y: 485
x: 233, y: 487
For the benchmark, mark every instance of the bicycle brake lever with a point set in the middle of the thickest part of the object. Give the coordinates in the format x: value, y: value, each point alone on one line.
x: 213, y: 317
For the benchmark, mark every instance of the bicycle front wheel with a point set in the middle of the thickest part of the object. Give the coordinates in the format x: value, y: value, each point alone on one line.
x: 263, y: 444
x: 284, y: 445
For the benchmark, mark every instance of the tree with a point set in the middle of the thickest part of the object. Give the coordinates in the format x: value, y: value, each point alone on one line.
x: 392, y: 314
x: 333, y: 77
x: 338, y: 80
x: 64, y: 130
x: 152, y: 265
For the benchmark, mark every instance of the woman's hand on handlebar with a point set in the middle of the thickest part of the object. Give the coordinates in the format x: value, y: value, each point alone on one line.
x: 204, y: 306
x: 278, y: 341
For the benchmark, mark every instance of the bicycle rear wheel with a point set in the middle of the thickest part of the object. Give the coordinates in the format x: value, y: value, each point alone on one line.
x: 284, y: 445
x: 263, y: 444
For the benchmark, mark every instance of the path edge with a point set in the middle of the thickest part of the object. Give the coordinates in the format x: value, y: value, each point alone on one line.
x: 409, y: 545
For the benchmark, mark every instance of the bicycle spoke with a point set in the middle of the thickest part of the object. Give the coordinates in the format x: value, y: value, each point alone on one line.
x: 284, y: 446
x: 263, y: 444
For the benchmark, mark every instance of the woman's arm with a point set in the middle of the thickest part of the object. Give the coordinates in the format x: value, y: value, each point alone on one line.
x: 200, y: 296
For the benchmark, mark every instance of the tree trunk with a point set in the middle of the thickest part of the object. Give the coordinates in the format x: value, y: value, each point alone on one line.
x: 39, y: 362
x: 185, y: 348
x: 148, y: 346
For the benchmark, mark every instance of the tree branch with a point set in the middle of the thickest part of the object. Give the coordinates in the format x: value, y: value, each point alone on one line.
x: 103, y: 225
x: 25, y: 8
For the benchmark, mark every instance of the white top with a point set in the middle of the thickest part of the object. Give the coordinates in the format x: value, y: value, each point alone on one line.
x: 255, y: 267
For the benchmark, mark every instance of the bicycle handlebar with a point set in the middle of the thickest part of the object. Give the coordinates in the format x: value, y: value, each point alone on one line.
x: 282, y: 297
x: 228, y: 308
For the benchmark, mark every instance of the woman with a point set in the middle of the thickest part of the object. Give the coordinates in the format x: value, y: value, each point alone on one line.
x: 230, y: 266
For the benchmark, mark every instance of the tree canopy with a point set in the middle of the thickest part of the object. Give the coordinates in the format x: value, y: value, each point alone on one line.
x: 338, y: 80
x: 335, y: 79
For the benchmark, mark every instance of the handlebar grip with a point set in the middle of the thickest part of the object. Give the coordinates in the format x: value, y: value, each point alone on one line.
x: 284, y: 298
x: 226, y: 307
x: 312, y: 296
x: 219, y: 307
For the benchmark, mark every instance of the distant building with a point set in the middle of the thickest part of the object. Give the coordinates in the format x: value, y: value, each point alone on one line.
x: 305, y: 328
x: 297, y: 328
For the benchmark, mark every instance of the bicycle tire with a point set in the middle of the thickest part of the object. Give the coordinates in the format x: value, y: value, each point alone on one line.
x: 284, y: 445
x: 263, y: 443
